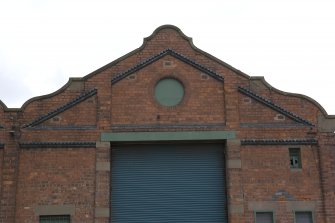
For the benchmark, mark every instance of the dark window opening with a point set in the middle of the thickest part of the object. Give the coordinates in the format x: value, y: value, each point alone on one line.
x: 264, y: 217
x: 55, y: 219
x: 295, y: 158
x: 303, y: 217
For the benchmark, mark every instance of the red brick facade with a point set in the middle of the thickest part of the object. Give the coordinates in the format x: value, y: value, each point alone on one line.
x: 54, y: 161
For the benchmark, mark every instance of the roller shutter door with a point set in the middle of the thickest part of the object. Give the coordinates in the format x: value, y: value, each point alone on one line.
x: 168, y: 183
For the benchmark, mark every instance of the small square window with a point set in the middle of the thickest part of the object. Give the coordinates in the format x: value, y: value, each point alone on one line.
x: 303, y: 217
x: 264, y: 217
x: 55, y: 219
x: 295, y: 158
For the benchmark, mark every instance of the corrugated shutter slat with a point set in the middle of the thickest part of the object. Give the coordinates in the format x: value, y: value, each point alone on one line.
x: 168, y: 183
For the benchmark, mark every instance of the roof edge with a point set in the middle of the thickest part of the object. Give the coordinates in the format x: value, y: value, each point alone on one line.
x: 147, y: 39
x: 60, y: 90
x: 190, y: 40
x: 285, y: 93
x: 167, y: 26
x: 3, y: 105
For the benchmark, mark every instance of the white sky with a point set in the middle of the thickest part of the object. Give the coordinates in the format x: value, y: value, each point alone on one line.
x: 289, y: 42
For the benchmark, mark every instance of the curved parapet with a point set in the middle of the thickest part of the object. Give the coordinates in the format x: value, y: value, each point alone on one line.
x: 325, y: 122
x: 146, y: 40
x: 3, y: 106
x: 190, y: 41
x: 158, y: 45
x: 71, y: 82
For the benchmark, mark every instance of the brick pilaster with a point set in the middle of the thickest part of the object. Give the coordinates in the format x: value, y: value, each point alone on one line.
x: 327, y: 163
x: 9, y: 181
x: 234, y: 181
x: 102, y: 183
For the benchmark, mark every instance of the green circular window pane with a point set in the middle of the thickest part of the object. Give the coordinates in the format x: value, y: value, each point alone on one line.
x: 169, y: 92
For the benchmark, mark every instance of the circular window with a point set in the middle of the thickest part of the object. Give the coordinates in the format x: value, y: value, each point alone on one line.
x: 169, y: 92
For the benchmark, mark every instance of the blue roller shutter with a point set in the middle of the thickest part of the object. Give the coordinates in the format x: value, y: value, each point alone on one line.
x: 168, y: 183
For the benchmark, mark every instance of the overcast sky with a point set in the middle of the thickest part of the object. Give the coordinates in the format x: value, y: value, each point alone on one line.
x: 290, y: 42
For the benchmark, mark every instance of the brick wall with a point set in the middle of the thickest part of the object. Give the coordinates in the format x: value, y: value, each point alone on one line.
x: 49, y: 177
x: 327, y: 163
x: 133, y: 100
x: 41, y: 172
x: 267, y: 177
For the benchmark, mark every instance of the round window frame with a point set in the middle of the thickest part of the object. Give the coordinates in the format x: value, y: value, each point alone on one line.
x: 180, y: 101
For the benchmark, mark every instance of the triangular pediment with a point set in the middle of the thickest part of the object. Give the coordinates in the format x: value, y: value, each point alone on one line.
x: 274, y: 107
x: 160, y: 55
x: 57, y: 111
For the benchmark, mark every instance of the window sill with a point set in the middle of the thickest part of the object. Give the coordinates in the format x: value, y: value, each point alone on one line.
x: 296, y: 169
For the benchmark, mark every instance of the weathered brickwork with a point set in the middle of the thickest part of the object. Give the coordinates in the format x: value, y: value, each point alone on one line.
x: 133, y: 99
x: 56, y: 176
x: 268, y: 175
x: 54, y: 161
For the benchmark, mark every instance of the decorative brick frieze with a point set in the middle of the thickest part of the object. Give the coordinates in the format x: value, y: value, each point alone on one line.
x: 31, y: 145
x: 60, y: 128
x: 275, y: 125
x: 279, y: 142
x: 167, y: 126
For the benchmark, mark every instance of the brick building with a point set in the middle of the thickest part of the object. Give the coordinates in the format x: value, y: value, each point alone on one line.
x: 167, y: 133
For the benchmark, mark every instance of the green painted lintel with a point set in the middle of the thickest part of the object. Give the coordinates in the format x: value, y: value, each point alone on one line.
x: 166, y: 136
